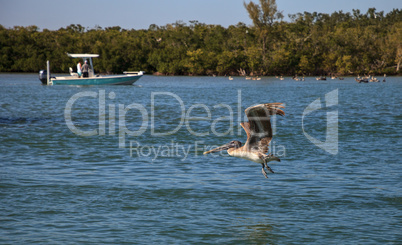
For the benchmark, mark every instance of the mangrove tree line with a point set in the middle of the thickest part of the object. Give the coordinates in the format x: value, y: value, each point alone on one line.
x: 308, y: 44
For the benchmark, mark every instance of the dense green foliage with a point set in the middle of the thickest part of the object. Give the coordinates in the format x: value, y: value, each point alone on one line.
x: 309, y: 44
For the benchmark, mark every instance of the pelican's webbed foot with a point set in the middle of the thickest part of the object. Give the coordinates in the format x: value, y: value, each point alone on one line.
x: 267, y: 159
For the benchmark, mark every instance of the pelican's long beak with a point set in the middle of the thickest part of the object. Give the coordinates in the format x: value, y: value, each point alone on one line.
x: 220, y: 148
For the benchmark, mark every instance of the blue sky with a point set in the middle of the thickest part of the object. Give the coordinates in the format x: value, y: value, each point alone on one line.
x: 140, y: 14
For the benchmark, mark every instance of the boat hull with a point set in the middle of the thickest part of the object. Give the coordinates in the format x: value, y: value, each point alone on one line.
x: 106, y: 80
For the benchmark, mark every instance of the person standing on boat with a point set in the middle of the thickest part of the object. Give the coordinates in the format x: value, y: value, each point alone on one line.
x: 85, y: 69
x: 79, y: 72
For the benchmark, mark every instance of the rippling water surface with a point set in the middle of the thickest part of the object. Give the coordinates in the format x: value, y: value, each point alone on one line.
x: 140, y: 176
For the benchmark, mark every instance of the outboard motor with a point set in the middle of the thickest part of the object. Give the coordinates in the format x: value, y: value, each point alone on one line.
x: 43, y: 76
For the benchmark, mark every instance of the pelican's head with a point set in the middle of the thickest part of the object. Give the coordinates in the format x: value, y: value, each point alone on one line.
x: 232, y: 144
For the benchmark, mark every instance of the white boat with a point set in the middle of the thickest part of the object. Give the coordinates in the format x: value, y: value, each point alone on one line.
x: 128, y: 78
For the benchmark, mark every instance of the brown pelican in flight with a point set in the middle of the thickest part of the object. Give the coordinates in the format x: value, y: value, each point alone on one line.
x: 259, y: 135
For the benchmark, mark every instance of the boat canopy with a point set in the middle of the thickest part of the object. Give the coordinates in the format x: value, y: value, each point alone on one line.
x: 83, y: 55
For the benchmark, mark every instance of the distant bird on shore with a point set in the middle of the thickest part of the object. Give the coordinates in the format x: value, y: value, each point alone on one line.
x: 259, y: 135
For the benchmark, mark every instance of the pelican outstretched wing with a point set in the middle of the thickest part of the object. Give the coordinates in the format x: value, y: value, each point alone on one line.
x: 258, y: 127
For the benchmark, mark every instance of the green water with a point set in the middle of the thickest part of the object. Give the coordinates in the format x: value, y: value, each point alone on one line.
x: 140, y: 177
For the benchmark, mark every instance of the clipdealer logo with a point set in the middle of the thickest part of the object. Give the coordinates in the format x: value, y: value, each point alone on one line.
x: 112, y: 117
